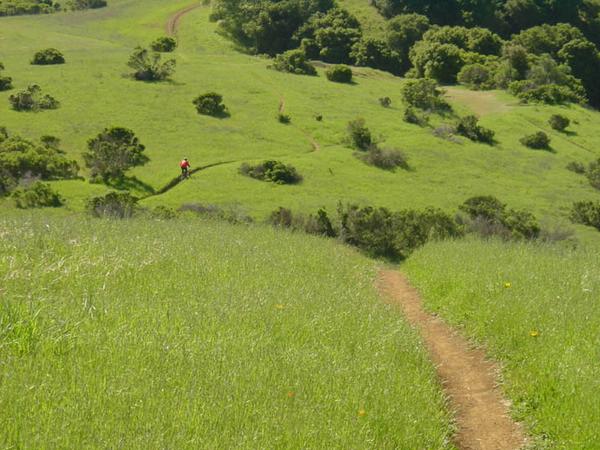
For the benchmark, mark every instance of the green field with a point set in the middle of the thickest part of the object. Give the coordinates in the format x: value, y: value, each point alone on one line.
x: 140, y: 334
x: 95, y: 93
x: 536, y: 310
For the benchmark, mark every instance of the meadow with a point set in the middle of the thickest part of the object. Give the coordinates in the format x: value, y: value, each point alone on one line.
x: 535, y: 309
x: 141, y: 334
x: 95, y: 93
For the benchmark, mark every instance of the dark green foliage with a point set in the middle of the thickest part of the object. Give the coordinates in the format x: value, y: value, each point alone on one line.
x: 559, y: 122
x: 86, y: 4
x: 403, y: 31
x: 584, y: 61
x: 149, y: 66
x: 593, y: 173
x: 114, y: 205
x: 414, y: 117
x: 112, y: 152
x: 550, y: 94
x: 318, y: 224
x: 386, y: 102
x: 211, y: 104
x: 339, y: 74
x: 359, y: 135
x: 284, y: 118
x: 586, y: 213
x: 424, y: 94
x: 164, y: 44
x: 32, y: 99
x: 490, y: 217
x: 468, y: 127
x: 18, y: 7
x: 47, y: 57
x: 576, y: 167
x: 375, y: 53
x: 537, y: 141
x: 441, y: 62
x: 272, y: 171
x: 393, y: 235
x: 5, y: 82
x: 22, y: 159
x: 383, y: 158
x: 294, y: 61
x: 38, y: 195
x: 477, y: 76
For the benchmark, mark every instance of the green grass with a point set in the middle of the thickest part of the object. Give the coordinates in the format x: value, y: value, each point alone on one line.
x: 95, y: 94
x: 190, y: 334
x: 552, y: 378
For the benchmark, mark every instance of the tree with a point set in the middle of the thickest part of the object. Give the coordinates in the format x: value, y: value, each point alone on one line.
x: 294, y: 61
x: 47, y: 57
x: 403, y: 32
x: 424, y: 94
x: 441, y: 62
x: 112, y: 152
x: 377, y: 54
x: 584, y: 60
x: 148, y: 66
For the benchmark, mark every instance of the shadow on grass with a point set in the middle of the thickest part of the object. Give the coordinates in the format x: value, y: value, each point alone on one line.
x: 130, y: 183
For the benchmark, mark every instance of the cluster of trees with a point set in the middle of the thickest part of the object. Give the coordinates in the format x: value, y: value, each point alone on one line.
x: 18, y: 7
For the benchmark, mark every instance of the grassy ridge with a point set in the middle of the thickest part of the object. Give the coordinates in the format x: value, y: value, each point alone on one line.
x: 536, y: 308
x: 184, y: 334
x: 95, y: 94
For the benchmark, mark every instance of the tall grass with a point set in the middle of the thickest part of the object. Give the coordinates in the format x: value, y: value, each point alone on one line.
x: 537, y: 309
x: 188, y: 334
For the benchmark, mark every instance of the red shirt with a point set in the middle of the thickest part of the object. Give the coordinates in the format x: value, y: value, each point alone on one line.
x: 184, y: 164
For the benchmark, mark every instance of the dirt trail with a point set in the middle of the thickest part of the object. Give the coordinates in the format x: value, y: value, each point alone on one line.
x: 313, y: 142
x: 469, y: 379
x: 175, y: 19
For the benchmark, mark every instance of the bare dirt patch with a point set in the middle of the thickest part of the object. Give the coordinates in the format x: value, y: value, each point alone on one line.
x: 481, y: 103
x: 468, y: 377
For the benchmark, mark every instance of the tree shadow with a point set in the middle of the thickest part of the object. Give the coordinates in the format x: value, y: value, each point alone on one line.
x: 126, y: 183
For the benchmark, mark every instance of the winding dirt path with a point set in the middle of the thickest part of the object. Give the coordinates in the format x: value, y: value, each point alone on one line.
x: 468, y: 378
x: 175, y: 19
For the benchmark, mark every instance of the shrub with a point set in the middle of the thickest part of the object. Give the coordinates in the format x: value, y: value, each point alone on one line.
x: 32, y: 99
x: 537, y: 141
x: 469, y: 128
x: 112, y: 152
x: 318, y: 224
x: 593, y: 173
x: 38, y: 195
x: 359, y: 135
x: 576, y: 167
x: 476, y: 76
x: 550, y: 94
x: 164, y: 44
x: 319, y: 117
x: 424, y: 94
x: 383, y: 158
x: 272, y: 171
x: 413, y: 117
x: 5, y: 82
x: 386, y: 102
x: 559, y: 123
x: 284, y: 118
x: 47, y: 57
x: 490, y: 217
x: 586, y: 213
x: 293, y: 61
x: 339, y: 74
x: 211, y: 104
x: 148, y: 66
x: 115, y: 205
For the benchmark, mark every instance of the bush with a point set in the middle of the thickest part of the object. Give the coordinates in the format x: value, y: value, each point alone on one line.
x: 293, y: 61
x: 411, y: 116
x: 32, y: 99
x: 359, y: 135
x: 550, y: 94
x: 318, y: 224
x: 5, y: 82
x: 537, y: 141
x: 272, y: 171
x: 423, y: 94
x: 559, y: 123
x: 47, y: 57
x: 586, y: 213
x: 386, y: 102
x: 476, y: 76
x: 38, y: 195
x: 490, y: 217
x: 576, y: 167
x: 339, y: 74
x: 164, y: 44
x: 593, y: 174
x: 211, y: 104
x: 148, y: 66
x: 112, y: 152
x: 115, y: 205
x: 284, y: 118
x: 382, y: 158
x: 469, y: 128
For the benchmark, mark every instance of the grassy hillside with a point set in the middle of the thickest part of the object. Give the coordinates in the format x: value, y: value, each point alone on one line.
x: 536, y: 309
x: 141, y: 334
x: 95, y: 94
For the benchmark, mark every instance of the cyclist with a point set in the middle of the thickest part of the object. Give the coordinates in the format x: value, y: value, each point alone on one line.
x: 185, y: 168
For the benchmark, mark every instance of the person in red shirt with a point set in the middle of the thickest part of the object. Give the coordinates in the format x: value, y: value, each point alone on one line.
x: 185, y: 168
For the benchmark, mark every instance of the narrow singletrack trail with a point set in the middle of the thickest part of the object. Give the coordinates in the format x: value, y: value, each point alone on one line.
x: 175, y: 19
x: 468, y: 378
